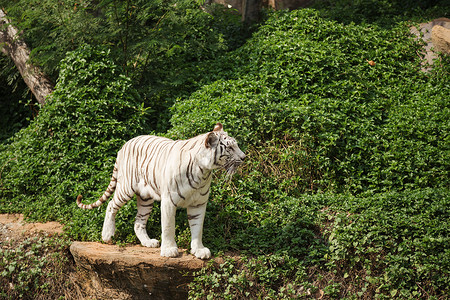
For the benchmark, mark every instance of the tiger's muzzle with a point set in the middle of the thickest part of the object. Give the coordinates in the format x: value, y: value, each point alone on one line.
x: 237, y: 160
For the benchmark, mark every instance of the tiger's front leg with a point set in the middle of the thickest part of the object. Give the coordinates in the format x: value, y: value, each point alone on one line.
x: 196, y: 217
x: 168, y: 245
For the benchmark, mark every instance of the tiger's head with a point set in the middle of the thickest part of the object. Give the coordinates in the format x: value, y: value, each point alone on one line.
x: 224, y: 150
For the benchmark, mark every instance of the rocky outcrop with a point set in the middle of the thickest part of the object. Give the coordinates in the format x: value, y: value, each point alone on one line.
x: 424, y: 31
x: 133, y: 272
x: 440, y: 36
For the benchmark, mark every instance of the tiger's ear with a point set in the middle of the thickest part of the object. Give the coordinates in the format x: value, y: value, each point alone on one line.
x: 218, y: 127
x: 212, y: 140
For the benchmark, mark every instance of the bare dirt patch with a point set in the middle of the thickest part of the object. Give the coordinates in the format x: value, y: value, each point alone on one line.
x: 13, y: 225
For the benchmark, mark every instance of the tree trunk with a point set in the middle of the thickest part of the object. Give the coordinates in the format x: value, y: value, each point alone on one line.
x: 251, y: 10
x: 11, y: 45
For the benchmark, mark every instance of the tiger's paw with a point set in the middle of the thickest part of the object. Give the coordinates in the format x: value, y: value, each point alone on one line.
x: 202, y: 253
x: 169, y: 252
x: 109, y: 228
x: 151, y: 243
x: 107, y: 234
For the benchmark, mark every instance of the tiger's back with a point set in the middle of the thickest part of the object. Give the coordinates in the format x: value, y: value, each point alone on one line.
x: 150, y: 166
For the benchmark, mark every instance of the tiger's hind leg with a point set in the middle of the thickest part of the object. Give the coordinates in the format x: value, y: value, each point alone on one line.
x: 109, y: 225
x: 144, y: 207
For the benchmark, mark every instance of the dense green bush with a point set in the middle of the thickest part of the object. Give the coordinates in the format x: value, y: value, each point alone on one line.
x: 305, y: 78
x: 71, y: 147
x: 381, y: 246
x: 399, y: 240
x: 277, y: 276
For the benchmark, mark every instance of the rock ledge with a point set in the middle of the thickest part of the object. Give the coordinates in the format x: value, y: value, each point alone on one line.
x: 133, y: 272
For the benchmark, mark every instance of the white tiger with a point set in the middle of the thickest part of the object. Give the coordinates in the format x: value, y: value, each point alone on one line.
x: 177, y: 173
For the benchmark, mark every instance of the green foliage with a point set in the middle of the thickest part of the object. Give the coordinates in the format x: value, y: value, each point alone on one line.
x: 270, y: 277
x: 71, y: 147
x: 157, y: 42
x: 255, y: 218
x: 183, y: 37
x: 398, y: 241
x: 142, y: 33
x: 33, y: 269
x: 306, y: 78
x: 380, y: 246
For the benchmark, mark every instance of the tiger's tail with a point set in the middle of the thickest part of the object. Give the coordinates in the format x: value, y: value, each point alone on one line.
x: 111, y: 188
